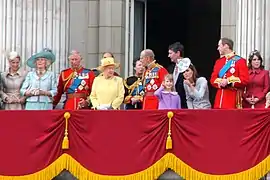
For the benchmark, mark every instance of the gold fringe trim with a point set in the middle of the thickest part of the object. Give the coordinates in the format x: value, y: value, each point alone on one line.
x: 189, y: 173
x: 153, y: 172
x: 45, y: 174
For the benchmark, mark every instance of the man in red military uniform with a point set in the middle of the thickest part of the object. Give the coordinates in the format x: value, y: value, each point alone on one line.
x: 230, y: 76
x: 76, y: 82
x: 152, y: 79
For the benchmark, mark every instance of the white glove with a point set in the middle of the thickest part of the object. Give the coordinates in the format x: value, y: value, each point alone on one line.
x: 101, y: 108
x: 107, y: 106
x: 104, y: 107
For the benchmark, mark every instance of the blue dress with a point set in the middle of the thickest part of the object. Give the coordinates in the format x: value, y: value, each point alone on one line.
x: 47, y: 83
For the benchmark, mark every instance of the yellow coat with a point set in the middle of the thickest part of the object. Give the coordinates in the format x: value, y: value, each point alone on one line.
x: 107, y: 91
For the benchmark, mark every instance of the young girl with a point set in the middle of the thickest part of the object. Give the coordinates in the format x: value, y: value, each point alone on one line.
x: 168, y: 98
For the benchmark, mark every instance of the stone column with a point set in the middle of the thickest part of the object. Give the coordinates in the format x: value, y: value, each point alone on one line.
x: 93, y: 34
x: 228, y: 19
x: 79, y: 27
x: 252, y: 28
x: 267, y: 38
x: 112, y: 29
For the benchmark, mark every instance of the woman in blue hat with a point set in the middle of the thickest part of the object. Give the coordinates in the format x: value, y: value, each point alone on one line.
x: 40, y: 85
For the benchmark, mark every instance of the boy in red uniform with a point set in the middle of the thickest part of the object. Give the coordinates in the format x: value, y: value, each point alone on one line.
x: 152, y: 79
x: 76, y: 82
x: 230, y: 76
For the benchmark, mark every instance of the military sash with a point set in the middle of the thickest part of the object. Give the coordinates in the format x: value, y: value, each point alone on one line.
x: 77, y: 82
x: 151, y: 75
x: 228, y: 65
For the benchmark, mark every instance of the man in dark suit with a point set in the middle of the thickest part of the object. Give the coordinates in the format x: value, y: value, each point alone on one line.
x: 176, y: 51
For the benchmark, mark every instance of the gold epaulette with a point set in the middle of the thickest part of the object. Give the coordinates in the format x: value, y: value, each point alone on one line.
x: 158, y: 65
x: 132, y: 86
x: 68, y: 77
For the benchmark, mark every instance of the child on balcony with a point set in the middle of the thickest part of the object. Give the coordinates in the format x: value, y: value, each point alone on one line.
x: 167, y: 96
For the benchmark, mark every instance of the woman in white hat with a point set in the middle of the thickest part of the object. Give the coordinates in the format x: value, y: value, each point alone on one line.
x: 196, y: 87
x: 11, y: 81
x: 108, y: 89
x: 40, y: 85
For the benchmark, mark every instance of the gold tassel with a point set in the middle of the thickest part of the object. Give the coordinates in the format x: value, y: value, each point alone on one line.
x: 169, y: 142
x: 65, y: 143
x: 169, y: 138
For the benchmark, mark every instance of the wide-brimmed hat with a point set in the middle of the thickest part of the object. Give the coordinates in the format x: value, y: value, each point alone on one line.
x: 183, y: 64
x: 108, y: 62
x: 12, y: 55
x: 45, y: 53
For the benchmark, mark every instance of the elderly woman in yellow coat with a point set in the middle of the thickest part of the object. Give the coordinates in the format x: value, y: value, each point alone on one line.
x: 107, y: 89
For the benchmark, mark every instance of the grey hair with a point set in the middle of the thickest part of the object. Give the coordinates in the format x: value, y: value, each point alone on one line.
x: 149, y: 53
x: 48, y: 63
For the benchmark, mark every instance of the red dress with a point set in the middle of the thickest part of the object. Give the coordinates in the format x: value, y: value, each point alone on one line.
x: 230, y: 96
x: 258, y: 86
x: 153, y: 77
x: 76, y: 84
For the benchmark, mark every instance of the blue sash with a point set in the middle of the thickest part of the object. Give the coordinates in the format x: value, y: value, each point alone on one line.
x: 153, y: 71
x: 227, y: 66
x: 137, y: 90
x: 76, y: 82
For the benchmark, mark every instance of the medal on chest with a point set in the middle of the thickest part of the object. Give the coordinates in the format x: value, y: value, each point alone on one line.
x: 232, y: 70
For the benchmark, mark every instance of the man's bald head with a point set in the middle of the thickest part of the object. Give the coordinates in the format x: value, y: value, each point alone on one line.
x: 148, y: 53
x: 147, y: 56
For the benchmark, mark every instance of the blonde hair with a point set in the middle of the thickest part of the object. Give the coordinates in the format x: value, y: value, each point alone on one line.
x: 169, y: 77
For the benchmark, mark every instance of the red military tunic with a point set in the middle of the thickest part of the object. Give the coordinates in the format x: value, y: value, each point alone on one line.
x: 153, y: 77
x: 76, y: 84
x: 237, y: 75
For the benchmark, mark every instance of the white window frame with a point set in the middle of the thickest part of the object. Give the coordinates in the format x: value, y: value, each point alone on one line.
x: 129, y: 34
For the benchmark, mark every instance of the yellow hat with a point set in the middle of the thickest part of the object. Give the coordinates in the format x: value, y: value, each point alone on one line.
x: 108, y: 62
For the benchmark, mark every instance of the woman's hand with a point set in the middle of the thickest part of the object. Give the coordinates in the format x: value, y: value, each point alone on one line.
x: 187, y: 82
x: 190, y: 84
x: 22, y: 100
x: 8, y: 100
x: 83, y: 103
x: 134, y: 100
x: 255, y: 100
x: 28, y: 93
x: 44, y: 93
x: 249, y: 100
